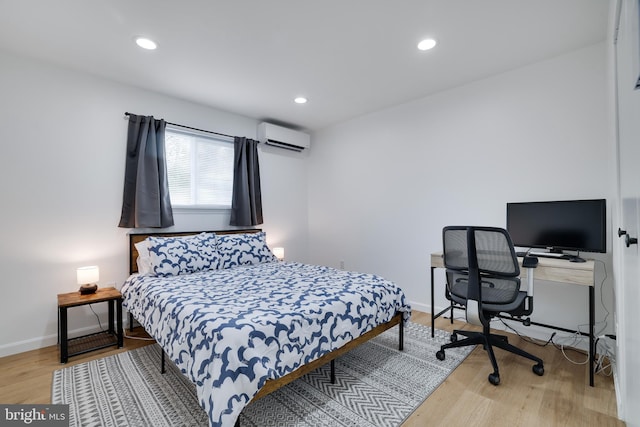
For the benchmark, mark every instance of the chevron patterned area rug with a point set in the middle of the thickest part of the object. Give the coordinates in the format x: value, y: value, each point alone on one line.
x: 376, y: 385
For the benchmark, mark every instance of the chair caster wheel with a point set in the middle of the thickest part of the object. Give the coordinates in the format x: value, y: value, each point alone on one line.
x: 494, y: 379
x: 440, y: 355
x: 453, y: 338
x: 538, y: 369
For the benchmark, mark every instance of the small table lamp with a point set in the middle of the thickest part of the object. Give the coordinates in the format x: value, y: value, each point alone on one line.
x: 87, y: 278
x: 279, y: 253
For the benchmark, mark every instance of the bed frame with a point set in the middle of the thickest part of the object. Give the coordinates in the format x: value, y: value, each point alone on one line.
x: 273, y: 385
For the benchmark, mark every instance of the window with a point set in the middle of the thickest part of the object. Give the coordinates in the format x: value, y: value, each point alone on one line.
x: 200, y: 170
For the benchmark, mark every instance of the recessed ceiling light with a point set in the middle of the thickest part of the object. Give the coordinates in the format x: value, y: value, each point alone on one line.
x: 146, y: 43
x: 426, y: 44
x: 300, y: 100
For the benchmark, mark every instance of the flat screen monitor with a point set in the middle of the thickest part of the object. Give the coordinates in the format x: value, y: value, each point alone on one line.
x: 575, y: 225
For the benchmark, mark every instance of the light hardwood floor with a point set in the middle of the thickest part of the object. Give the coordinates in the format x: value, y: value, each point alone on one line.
x: 562, y: 397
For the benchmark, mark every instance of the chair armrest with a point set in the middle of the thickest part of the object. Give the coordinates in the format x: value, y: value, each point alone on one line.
x: 530, y: 263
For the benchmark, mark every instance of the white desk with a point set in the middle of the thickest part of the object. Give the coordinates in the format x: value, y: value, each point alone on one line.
x: 549, y: 269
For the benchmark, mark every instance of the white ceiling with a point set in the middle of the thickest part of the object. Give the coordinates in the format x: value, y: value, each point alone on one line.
x: 252, y: 57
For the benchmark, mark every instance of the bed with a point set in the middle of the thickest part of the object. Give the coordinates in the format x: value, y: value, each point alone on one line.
x: 241, y: 324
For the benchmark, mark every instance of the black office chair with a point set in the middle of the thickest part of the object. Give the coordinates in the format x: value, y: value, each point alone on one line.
x: 482, y: 275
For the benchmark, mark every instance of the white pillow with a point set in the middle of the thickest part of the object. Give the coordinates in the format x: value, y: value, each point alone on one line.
x: 144, y: 260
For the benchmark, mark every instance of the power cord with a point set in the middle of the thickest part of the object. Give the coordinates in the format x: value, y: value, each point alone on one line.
x: 97, y: 317
x: 606, y: 358
x: 604, y: 307
x: 563, y: 347
x: 138, y: 338
x: 125, y: 335
x: 527, y: 338
x: 559, y: 346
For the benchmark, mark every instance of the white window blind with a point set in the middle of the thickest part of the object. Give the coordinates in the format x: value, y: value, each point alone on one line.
x: 200, y: 169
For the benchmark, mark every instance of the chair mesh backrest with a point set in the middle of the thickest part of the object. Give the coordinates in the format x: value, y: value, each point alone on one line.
x: 495, y: 253
x: 456, y: 254
x: 497, y: 265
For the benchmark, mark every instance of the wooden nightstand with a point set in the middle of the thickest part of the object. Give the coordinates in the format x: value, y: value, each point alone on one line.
x: 86, y: 343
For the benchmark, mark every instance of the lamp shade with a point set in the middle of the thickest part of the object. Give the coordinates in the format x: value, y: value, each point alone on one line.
x: 89, y: 274
x: 279, y: 253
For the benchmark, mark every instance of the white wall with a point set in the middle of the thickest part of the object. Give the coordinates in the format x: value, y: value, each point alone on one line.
x: 63, y: 142
x: 382, y: 186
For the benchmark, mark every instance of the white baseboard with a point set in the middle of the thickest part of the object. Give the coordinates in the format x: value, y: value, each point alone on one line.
x: 420, y: 307
x: 27, y: 345
x: 617, y: 386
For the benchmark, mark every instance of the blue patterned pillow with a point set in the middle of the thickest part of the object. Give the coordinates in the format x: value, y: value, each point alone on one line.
x: 243, y: 249
x: 171, y: 256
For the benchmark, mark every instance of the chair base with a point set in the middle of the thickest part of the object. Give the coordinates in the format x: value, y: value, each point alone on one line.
x: 488, y: 341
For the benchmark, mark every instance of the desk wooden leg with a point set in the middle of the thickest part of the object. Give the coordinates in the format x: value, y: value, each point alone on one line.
x: 592, y: 315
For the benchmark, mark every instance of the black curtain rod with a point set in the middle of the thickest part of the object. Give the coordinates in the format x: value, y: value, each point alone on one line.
x: 191, y: 128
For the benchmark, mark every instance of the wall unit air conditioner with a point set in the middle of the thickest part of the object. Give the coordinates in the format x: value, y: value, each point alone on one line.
x: 282, y: 137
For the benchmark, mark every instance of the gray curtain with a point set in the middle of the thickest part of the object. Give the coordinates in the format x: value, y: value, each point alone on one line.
x: 246, y: 202
x: 146, y: 202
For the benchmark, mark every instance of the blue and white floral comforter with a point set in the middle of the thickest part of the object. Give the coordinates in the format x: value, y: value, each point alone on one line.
x: 231, y: 330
